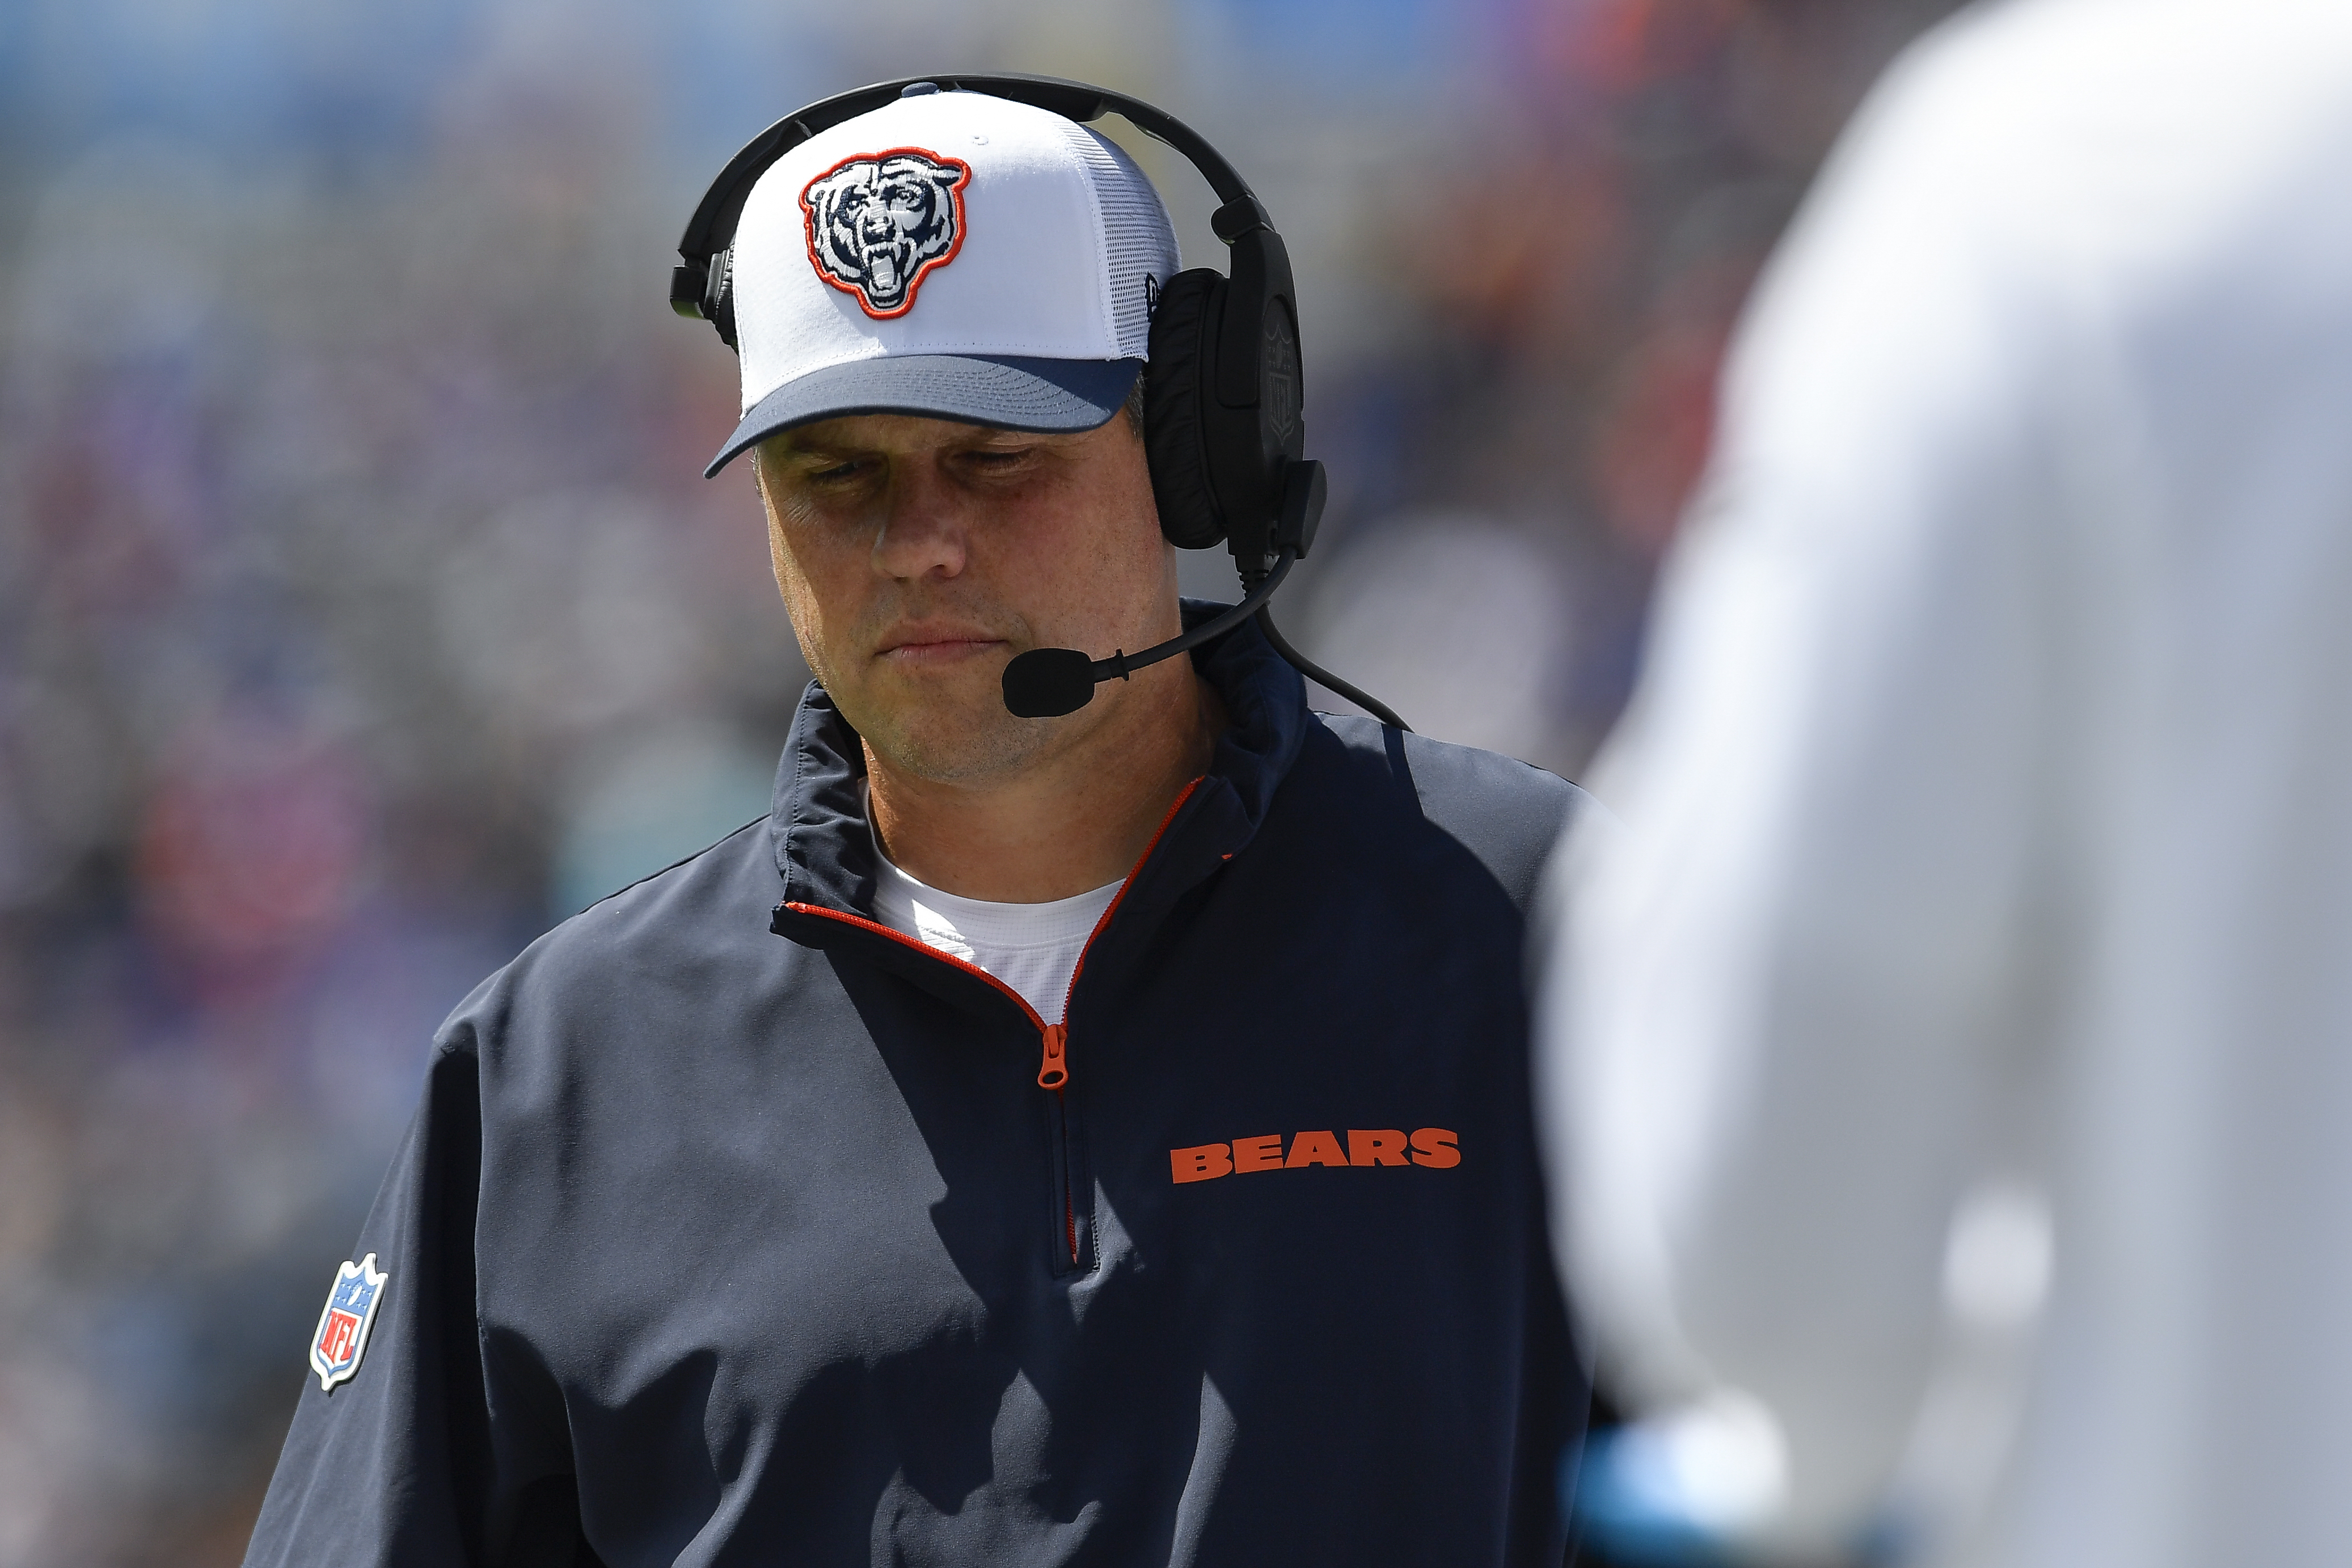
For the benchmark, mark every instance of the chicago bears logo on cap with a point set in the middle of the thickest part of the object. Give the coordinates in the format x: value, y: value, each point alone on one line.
x: 879, y: 221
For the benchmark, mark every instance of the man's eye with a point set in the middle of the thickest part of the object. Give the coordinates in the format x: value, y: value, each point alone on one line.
x: 837, y: 472
x: 996, y: 459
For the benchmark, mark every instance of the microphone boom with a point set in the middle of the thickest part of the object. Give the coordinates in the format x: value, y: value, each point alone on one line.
x: 1046, y: 683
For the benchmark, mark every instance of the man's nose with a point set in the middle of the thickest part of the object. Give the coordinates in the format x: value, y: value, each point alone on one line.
x: 924, y: 530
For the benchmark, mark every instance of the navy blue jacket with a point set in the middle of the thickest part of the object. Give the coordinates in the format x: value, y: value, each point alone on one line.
x: 736, y: 1228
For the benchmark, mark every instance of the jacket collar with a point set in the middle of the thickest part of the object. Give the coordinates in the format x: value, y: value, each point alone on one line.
x: 826, y: 855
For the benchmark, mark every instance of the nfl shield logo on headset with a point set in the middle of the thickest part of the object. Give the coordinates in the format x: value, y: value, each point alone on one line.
x: 342, y: 1335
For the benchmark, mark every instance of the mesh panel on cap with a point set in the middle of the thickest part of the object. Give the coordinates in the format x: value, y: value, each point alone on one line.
x: 1138, y: 240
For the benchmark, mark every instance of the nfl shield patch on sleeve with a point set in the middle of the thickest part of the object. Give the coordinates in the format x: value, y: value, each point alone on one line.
x: 342, y: 1331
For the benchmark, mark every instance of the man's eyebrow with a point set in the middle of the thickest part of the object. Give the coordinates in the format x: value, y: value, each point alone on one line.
x: 790, y: 445
x: 796, y: 443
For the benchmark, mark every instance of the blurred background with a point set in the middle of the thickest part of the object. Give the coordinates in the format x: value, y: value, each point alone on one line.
x: 362, y: 612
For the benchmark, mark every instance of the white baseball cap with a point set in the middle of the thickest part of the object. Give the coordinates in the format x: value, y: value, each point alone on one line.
x: 952, y: 254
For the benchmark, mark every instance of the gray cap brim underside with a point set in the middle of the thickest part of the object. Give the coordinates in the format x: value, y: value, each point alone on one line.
x: 1051, y: 396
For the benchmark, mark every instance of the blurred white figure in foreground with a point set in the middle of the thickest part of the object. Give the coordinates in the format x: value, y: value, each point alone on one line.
x: 1988, y: 878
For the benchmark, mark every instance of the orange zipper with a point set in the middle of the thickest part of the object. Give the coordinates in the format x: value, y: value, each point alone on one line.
x: 1056, y: 1073
x: 1054, y: 1070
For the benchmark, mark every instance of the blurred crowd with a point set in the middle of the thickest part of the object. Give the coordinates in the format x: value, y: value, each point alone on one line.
x: 362, y: 612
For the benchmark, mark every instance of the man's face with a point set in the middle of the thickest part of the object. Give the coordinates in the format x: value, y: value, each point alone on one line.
x: 918, y: 556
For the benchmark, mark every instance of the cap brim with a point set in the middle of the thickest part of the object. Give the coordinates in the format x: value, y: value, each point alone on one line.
x: 1045, y: 395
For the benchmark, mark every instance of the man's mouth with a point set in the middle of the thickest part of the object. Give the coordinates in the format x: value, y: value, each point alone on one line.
x: 923, y: 648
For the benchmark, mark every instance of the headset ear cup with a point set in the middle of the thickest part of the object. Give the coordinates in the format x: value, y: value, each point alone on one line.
x: 1176, y: 381
x: 719, y: 300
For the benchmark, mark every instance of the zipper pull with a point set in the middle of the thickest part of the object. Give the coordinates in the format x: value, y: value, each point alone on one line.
x: 1057, y: 1068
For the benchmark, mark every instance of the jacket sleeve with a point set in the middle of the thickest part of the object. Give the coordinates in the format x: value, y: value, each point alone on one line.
x: 1789, y: 1002
x: 425, y: 1455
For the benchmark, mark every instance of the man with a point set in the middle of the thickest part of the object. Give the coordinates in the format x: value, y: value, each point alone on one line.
x: 1097, y: 1139
x: 1988, y: 868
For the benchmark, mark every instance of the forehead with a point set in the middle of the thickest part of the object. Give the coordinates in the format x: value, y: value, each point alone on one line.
x: 889, y: 433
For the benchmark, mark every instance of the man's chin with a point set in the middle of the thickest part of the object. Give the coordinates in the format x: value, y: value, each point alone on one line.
x: 964, y: 736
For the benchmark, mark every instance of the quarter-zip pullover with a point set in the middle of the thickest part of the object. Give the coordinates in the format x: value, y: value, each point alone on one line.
x: 739, y: 1227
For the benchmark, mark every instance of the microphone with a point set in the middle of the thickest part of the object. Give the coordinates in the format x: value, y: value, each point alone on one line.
x: 1046, y: 683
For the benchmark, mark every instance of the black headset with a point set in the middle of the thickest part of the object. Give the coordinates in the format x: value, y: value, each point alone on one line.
x: 1223, y: 392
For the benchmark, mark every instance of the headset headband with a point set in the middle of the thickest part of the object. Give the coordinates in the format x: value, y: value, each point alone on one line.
x: 712, y: 230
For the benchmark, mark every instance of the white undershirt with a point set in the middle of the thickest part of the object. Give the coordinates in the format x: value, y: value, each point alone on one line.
x: 1032, y: 947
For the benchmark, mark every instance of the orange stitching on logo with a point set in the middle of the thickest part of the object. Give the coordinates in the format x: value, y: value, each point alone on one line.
x: 851, y: 274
